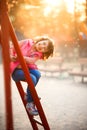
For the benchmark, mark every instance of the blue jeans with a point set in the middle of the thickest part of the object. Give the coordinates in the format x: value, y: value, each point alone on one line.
x: 18, y: 75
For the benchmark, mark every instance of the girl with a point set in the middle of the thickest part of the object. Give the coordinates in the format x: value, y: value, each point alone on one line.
x: 32, y: 50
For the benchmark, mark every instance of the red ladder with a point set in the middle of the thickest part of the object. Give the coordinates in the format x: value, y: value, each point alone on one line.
x: 6, y: 32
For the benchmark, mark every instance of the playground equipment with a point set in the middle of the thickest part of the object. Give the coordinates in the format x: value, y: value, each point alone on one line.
x: 6, y: 32
x: 83, y: 31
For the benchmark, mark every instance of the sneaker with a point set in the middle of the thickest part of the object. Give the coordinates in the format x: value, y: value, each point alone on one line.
x: 31, y: 109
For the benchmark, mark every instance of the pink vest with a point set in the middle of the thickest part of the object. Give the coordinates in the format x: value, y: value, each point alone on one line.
x: 25, y: 51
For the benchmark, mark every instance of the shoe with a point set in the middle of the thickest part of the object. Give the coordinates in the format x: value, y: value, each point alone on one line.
x: 31, y: 109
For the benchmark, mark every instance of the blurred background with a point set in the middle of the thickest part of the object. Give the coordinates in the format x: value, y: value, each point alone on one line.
x: 64, y: 21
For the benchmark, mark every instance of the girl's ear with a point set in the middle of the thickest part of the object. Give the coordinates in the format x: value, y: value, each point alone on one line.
x: 45, y: 58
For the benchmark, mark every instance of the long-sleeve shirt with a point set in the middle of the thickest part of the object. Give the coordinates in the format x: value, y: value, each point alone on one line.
x: 26, y: 51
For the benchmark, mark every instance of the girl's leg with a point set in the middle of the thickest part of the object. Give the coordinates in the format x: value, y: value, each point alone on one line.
x: 30, y: 105
x: 29, y: 97
x: 35, y: 77
x: 36, y: 73
x: 18, y: 75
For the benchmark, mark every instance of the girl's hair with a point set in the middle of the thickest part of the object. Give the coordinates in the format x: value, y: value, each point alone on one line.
x: 50, y: 48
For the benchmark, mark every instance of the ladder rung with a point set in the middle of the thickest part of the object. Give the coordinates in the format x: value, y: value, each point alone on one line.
x: 38, y: 122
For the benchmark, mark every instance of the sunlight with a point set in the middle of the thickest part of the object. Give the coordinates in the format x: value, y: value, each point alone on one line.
x: 70, y: 4
x: 47, y: 10
x: 52, y: 2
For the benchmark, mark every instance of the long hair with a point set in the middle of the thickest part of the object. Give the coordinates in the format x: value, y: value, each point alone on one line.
x: 50, y: 48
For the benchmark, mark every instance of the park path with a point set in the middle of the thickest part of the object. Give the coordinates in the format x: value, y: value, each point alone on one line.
x: 64, y: 102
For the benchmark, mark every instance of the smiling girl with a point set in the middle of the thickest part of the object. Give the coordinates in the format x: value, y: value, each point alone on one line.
x: 32, y: 50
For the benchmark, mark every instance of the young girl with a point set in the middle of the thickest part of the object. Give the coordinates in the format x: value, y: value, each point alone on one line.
x: 32, y: 50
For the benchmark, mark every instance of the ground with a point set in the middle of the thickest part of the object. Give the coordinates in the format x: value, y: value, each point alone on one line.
x: 63, y: 100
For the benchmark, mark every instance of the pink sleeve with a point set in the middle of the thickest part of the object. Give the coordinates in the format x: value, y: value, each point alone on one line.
x: 38, y: 54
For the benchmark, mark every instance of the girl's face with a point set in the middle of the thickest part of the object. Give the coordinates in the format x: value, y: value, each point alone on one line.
x: 42, y: 46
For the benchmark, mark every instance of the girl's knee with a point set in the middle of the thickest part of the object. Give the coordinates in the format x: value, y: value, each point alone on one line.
x: 36, y: 73
x: 18, y: 75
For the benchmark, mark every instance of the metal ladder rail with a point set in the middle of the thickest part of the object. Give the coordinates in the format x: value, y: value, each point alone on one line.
x: 22, y: 94
x: 28, y: 79
x: 33, y: 121
x: 4, y: 42
x: 11, y: 33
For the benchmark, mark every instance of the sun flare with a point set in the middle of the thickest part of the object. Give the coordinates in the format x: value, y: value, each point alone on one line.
x: 69, y: 3
x: 52, y: 2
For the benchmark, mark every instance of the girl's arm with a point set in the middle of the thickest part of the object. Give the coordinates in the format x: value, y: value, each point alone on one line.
x: 31, y: 60
x: 21, y: 42
x: 13, y: 55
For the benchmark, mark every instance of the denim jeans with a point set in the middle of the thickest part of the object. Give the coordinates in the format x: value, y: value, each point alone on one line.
x: 18, y: 75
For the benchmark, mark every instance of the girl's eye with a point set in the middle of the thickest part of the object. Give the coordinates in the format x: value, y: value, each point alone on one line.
x: 44, y: 43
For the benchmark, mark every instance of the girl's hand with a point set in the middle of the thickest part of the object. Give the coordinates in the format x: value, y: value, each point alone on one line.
x: 13, y: 58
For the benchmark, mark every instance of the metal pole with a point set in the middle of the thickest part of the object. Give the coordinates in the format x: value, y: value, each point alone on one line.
x: 6, y: 64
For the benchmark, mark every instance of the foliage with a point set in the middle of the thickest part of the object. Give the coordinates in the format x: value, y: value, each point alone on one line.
x: 32, y: 18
